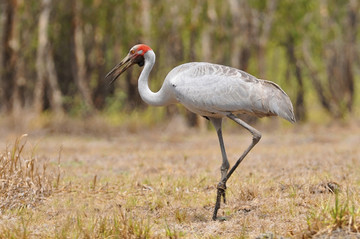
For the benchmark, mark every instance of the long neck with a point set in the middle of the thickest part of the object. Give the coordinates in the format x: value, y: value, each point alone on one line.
x: 162, y: 97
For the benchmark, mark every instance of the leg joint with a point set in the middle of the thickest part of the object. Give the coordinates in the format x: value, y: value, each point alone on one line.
x: 256, y: 136
x: 221, y: 185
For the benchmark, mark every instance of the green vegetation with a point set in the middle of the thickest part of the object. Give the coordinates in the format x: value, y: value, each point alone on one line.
x: 340, y: 213
x: 310, y: 48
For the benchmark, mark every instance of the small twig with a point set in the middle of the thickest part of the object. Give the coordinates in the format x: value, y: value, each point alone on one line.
x: 94, y: 182
x: 58, y: 168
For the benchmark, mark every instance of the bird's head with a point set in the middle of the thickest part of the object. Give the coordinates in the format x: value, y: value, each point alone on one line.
x: 135, y: 56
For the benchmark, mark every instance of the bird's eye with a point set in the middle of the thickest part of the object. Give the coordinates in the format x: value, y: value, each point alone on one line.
x: 132, y: 51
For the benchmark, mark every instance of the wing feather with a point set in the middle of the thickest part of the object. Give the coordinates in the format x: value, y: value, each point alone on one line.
x: 216, y: 90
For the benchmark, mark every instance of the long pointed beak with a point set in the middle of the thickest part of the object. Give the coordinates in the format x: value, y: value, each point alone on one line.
x: 119, y: 69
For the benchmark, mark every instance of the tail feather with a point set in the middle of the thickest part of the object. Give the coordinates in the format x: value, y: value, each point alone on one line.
x: 285, y: 110
x: 279, y: 102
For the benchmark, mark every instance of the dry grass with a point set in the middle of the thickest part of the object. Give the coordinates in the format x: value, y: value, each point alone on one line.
x: 23, y: 181
x: 298, y: 182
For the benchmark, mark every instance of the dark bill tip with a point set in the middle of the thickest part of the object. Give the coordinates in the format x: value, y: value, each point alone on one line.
x: 118, y: 70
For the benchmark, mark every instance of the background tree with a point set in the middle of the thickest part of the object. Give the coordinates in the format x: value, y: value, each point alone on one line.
x: 45, y: 66
x: 290, y: 32
x: 54, y: 54
x: 9, y: 56
x: 335, y: 44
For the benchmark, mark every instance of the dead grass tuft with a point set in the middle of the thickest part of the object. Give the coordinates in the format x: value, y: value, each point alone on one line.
x: 24, y: 182
x: 120, y: 225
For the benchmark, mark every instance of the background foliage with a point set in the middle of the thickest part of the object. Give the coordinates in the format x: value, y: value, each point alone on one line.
x: 54, y: 54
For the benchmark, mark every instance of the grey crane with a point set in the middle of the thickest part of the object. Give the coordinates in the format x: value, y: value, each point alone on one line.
x: 214, y: 92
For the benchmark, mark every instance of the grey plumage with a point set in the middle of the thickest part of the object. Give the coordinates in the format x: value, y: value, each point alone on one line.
x: 216, y: 90
x: 213, y: 91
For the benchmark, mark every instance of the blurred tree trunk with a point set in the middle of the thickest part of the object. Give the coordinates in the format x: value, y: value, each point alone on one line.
x: 321, y: 91
x: 9, y: 55
x: 45, y: 66
x: 351, y: 50
x: 251, y: 30
x: 133, y: 99
x: 18, y: 74
x: 265, y: 23
x: 97, y: 38
x: 55, y: 92
x: 243, y: 29
x: 300, y: 108
x: 336, y: 91
x: 79, y: 66
x: 101, y: 90
x: 146, y: 21
x: 236, y: 51
x: 207, y: 31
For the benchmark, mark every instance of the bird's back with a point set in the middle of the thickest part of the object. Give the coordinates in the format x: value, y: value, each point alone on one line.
x: 216, y: 90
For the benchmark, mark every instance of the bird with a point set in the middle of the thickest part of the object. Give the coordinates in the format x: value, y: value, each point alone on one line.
x: 215, y: 92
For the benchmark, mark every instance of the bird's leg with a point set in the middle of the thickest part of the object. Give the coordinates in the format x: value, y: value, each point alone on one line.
x: 224, y: 166
x: 221, y: 188
x: 256, y: 137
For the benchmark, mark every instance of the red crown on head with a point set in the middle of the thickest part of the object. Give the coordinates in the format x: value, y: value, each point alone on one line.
x: 142, y: 47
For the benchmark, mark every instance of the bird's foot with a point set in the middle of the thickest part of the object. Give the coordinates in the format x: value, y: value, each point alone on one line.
x: 222, y: 189
x: 220, y: 219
